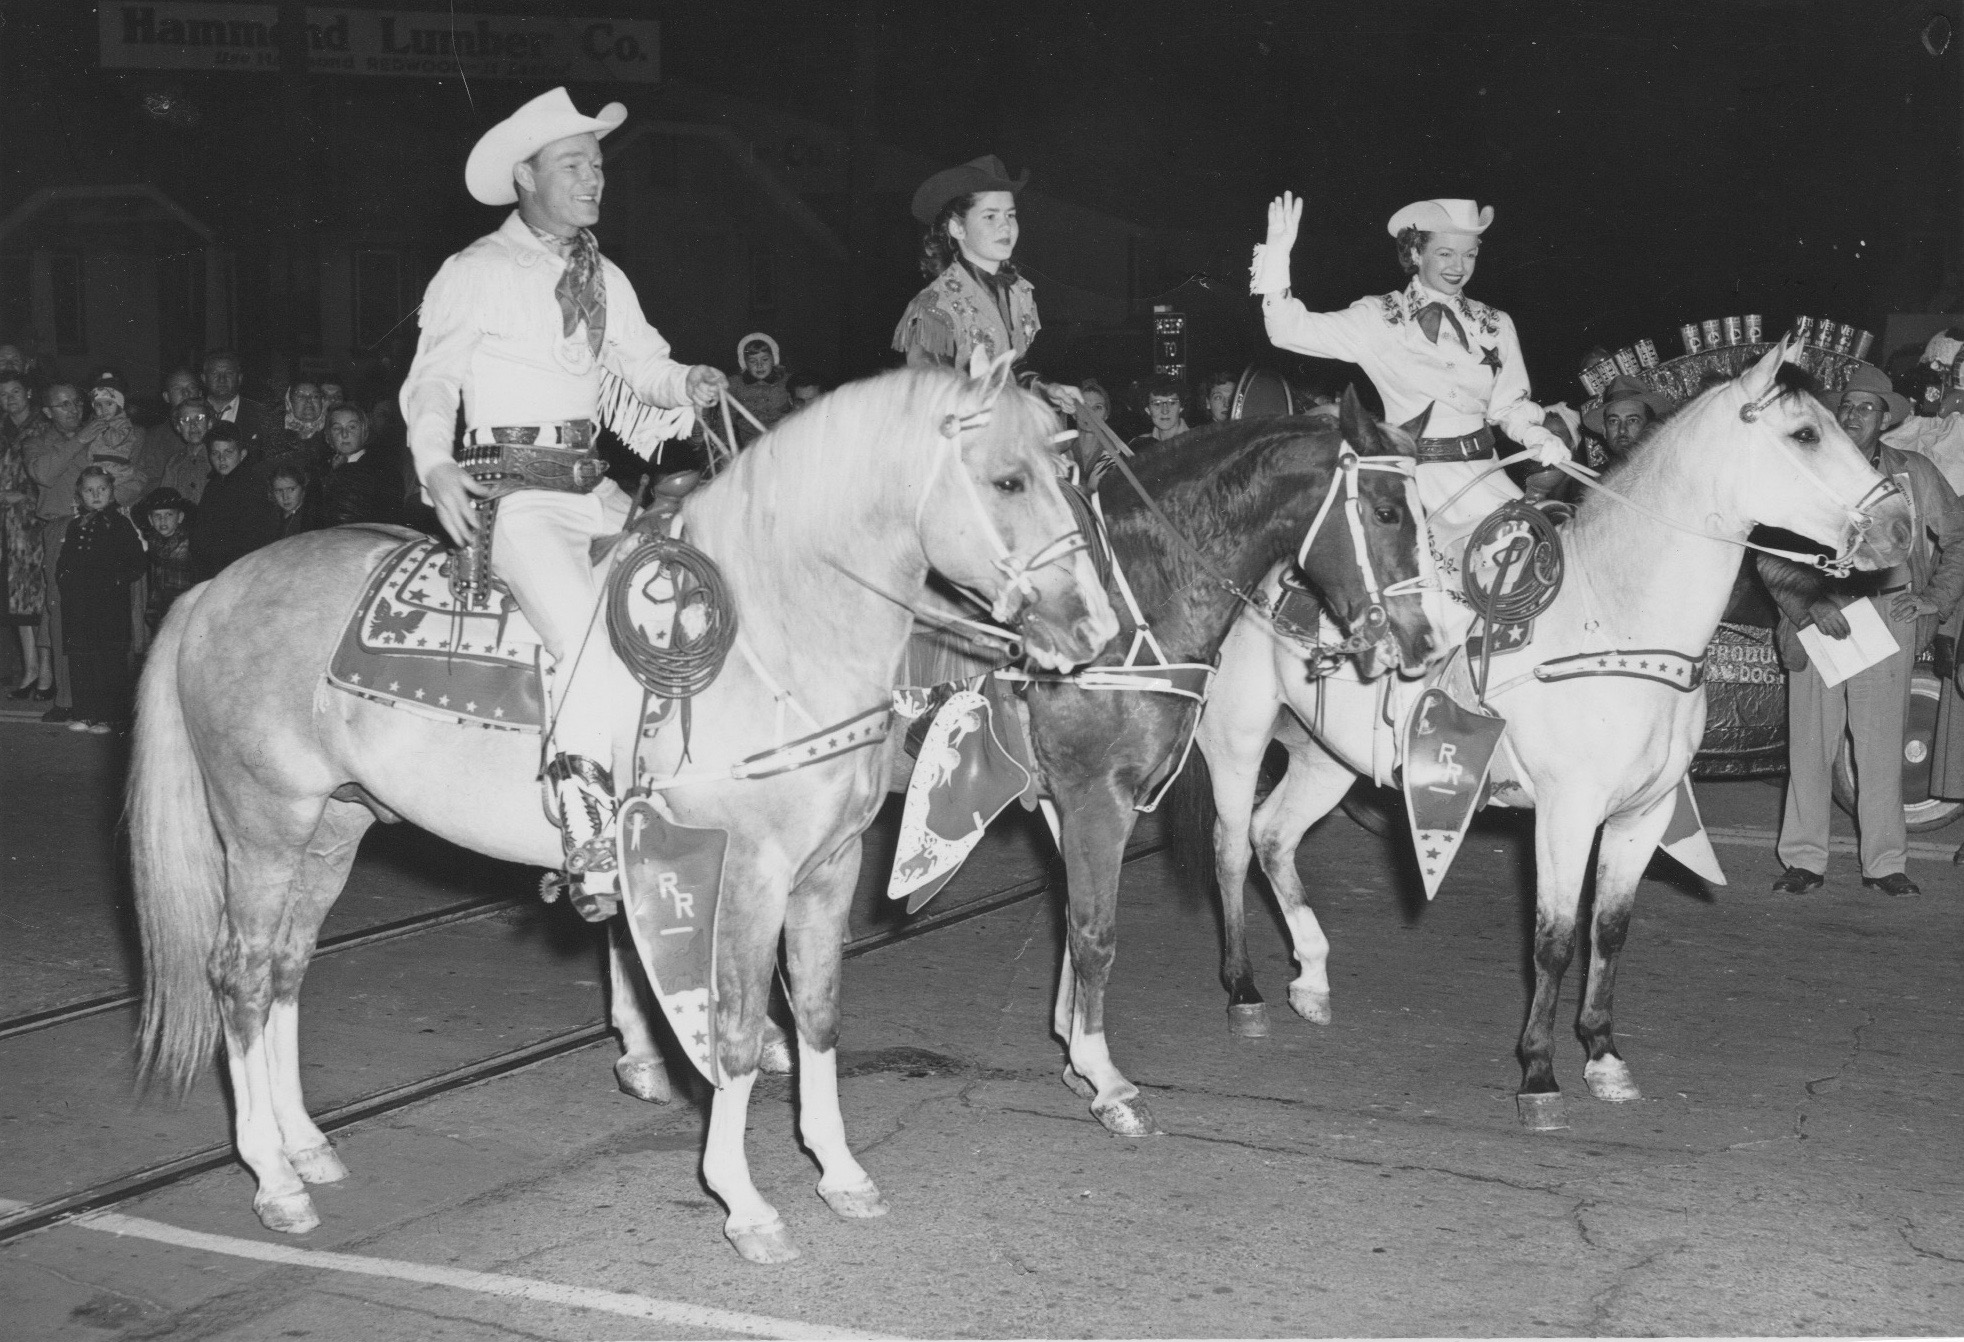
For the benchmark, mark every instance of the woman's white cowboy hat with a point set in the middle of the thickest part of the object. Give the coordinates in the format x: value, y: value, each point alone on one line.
x: 548, y: 117
x: 1441, y: 216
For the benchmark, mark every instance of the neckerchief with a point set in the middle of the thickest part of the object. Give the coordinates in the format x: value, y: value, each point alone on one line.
x: 582, y: 290
x: 997, y: 284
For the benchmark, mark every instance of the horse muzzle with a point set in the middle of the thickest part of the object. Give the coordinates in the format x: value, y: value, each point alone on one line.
x: 1880, y: 534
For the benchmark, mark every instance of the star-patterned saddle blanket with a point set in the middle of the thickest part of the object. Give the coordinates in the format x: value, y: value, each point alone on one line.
x: 412, y: 645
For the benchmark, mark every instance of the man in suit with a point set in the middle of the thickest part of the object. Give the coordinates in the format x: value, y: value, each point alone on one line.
x: 356, y: 484
x: 224, y: 376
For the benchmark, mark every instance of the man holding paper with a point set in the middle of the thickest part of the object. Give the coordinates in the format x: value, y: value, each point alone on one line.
x: 1849, y: 650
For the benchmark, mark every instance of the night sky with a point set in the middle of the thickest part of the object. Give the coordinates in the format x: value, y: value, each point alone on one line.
x: 1650, y: 163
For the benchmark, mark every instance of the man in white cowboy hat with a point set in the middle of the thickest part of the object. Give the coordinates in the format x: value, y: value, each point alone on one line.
x: 1627, y: 410
x: 1446, y: 367
x: 520, y: 327
x: 1872, y: 705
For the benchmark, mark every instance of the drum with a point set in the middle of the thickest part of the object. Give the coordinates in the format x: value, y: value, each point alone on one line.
x: 1262, y: 392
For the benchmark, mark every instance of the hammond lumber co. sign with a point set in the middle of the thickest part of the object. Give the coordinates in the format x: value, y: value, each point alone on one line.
x: 401, y: 43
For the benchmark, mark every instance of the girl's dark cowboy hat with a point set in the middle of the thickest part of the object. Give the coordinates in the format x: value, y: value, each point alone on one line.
x: 978, y: 174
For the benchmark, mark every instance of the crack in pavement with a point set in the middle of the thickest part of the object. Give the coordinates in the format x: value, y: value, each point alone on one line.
x: 1904, y: 1232
x: 96, y: 1286
x: 1854, y: 1052
x: 1604, y: 1301
x: 448, y: 1316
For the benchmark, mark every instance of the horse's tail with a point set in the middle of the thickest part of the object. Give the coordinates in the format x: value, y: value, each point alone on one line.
x: 178, y: 869
x: 1190, y: 816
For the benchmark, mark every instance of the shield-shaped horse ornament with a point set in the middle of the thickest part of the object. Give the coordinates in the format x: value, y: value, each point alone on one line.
x: 671, y: 885
x: 1448, y: 752
x: 962, y: 781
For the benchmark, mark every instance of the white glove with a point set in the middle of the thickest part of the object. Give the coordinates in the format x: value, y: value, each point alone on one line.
x: 1547, y: 448
x: 1269, y: 273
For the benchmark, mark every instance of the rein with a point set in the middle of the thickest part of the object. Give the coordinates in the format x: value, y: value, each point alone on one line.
x: 1345, y: 477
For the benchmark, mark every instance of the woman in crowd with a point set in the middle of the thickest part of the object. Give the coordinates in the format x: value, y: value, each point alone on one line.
x: 762, y: 385
x: 302, y: 439
x: 188, y: 466
x: 20, y: 539
x: 1164, y: 406
x: 100, y: 558
x: 975, y: 298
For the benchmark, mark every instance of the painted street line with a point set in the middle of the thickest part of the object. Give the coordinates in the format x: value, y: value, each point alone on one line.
x: 673, y: 1313
x: 1753, y: 836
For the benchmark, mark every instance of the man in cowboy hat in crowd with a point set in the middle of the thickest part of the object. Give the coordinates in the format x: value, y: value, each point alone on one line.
x: 1626, y: 412
x: 518, y: 327
x: 1914, y: 597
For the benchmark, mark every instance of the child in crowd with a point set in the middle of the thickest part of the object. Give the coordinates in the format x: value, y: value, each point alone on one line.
x: 165, y: 515
x: 100, y: 557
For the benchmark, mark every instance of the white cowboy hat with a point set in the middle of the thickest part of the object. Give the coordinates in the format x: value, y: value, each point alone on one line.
x: 548, y: 117
x: 1441, y: 216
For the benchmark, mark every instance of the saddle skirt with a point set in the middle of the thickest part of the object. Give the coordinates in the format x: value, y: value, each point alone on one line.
x: 411, y: 644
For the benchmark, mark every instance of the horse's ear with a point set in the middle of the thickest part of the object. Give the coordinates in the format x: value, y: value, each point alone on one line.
x: 994, y: 374
x: 978, y: 364
x: 1758, y: 380
x: 1359, y: 429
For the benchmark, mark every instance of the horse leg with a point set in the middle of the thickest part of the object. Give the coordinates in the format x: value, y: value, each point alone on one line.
x: 814, y: 931
x: 1094, y: 845
x: 1563, y: 832
x: 1628, y: 842
x: 264, y: 853
x: 1234, y: 757
x: 316, y: 885
x: 749, y: 926
x: 639, y: 1070
x: 1315, y: 783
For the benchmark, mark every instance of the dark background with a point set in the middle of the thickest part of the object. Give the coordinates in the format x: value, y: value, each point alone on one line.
x: 1650, y: 163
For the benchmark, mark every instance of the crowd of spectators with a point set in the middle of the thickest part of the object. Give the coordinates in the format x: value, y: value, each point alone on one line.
x: 109, y: 510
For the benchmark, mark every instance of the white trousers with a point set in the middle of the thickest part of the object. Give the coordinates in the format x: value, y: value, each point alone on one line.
x: 1437, y: 482
x: 541, y: 550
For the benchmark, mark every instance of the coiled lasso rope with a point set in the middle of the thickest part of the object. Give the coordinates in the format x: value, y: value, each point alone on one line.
x: 688, y: 665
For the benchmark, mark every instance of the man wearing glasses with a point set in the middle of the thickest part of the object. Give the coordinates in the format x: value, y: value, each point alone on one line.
x: 189, y: 465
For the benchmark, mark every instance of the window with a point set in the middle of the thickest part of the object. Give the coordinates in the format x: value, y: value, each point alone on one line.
x: 70, y: 304
x: 378, y: 297
x: 16, y: 298
x: 763, y: 278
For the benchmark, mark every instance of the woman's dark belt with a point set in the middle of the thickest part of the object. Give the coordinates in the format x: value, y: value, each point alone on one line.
x: 506, y: 459
x: 1475, y: 446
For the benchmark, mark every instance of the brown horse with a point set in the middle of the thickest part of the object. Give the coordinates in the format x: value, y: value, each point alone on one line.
x: 825, y: 529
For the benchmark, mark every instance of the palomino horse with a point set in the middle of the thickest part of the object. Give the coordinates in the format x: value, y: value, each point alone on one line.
x: 1605, y: 751
x: 825, y: 529
x: 1243, y: 495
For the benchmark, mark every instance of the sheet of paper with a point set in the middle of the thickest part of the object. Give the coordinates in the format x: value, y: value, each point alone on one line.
x: 1868, y: 642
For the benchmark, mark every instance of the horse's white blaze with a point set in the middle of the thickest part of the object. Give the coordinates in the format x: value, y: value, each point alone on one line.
x: 725, y: 1167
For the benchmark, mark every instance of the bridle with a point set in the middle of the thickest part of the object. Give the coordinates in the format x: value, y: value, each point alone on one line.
x: 1350, y: 467
x: 1859, y: 518
x: 1019, y: 587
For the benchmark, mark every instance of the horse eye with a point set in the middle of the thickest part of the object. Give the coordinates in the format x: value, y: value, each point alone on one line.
x: 1806, y: 434
x: 1010, y: 484
x: 1387, y: 514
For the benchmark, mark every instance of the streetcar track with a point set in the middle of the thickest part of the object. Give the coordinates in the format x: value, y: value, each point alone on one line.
x: 24, y: 1220
x: 447, y: 916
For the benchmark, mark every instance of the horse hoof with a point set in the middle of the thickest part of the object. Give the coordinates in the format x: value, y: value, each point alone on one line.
x: 289, y: 1213
x: 763, y: 1244
x: 1081, y: 1088
x: 318, y: 1165
x: 1249, y: 1020
x: 1126, y: 1118
x: 860, y: 1203
x: 1313, y: 1007
x: 1609, y: 1079
x: 644, y: 1079
x: 1542, y: 1111
x: 775, y: 1057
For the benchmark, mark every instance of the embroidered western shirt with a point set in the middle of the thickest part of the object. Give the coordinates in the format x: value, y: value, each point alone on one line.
x: 956, y: 314
x: 1483, y: 381
x: 493, y: 337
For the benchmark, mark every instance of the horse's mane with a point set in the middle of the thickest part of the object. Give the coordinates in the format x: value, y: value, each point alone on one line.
x: 1213, y: 483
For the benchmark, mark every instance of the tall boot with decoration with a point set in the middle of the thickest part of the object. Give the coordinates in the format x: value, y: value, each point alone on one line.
x: 583, y: 794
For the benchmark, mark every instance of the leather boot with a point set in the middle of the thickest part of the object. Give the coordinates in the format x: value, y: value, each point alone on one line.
x: 584, y: 795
